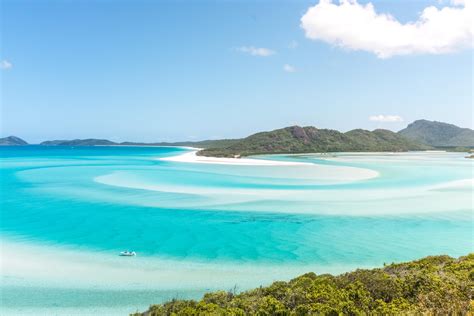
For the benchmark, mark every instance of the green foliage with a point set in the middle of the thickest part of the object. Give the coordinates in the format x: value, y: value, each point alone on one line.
x: 297, y: 139
x: 437, y: 285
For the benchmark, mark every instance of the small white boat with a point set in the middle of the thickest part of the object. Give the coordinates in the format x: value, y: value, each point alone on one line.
x: 128, y: 253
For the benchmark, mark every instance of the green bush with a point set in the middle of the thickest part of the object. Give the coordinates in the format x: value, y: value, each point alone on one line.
x: 437, y: 285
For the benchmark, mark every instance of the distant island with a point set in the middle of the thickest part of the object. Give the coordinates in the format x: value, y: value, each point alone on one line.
x: 12, y: 141
x: 79, y: 142
x: 437, y: 285
x: 104, y: 142
x: 419, y: 135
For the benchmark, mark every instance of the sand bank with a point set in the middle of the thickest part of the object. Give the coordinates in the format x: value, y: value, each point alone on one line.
x: 191, y: 157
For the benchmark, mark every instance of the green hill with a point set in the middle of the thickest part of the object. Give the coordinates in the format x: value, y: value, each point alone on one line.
x: 437, y: 285
x: 439, y: 134
x: 12, y: 141
x: 296, y: 139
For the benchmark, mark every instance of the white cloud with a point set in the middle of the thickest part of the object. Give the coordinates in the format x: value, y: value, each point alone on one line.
x: 355, y: 26
x: 289, y: 68
x: 256, y: 51
x: 5, y: 64
x: 386, y: 118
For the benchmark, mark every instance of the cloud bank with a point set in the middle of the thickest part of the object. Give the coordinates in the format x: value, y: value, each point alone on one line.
x: 355, y: 26
x: 256, y: 51
x: 385, y: 118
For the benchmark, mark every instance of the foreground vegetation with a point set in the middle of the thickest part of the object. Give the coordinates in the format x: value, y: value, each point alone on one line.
x: 437, y: 285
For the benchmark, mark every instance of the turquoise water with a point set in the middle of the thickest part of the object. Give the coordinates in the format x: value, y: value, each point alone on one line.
x: 76, y: 208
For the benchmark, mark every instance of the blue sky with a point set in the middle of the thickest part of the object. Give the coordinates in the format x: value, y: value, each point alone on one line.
x: 176, y: 70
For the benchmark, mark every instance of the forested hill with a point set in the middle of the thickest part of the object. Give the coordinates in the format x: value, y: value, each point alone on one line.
x: 296, y: 139
x: 431, y: 286
x: 438, y: 134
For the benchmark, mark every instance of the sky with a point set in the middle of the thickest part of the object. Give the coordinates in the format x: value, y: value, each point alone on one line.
x: 191, y: 70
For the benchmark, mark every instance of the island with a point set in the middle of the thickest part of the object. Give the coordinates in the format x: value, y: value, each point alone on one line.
x: 12, y: 141
x: 79, y: 142
x: 104, y: 142
x: 296, y: 139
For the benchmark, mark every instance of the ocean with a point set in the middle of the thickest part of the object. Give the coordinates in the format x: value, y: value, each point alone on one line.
x: 67, y: 212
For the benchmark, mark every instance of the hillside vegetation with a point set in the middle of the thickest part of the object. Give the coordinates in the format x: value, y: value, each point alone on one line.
x: 438, y: 134
x: 296, y: 139
x: 437, y: 285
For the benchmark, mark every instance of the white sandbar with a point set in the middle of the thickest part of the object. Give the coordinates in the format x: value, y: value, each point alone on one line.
x: 191, y: 157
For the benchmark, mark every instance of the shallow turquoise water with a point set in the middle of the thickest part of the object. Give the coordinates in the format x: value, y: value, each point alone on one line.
x: 102, y: 200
